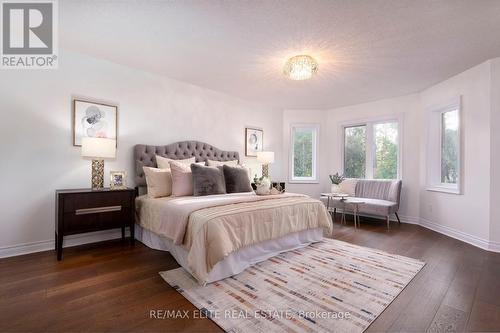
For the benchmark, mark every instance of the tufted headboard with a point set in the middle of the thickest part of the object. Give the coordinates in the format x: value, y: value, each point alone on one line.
x: 144, y: 155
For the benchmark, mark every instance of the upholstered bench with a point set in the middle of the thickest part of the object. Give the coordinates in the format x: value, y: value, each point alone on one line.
x: 380, y: 197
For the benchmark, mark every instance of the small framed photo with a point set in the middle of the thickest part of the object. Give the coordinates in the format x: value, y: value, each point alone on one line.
x: 118, y: 180
x: 95, y: 120
x: 254, y: 141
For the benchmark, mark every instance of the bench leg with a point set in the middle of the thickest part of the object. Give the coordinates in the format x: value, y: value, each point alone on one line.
x: 397, y: 216
x: 388, y: 222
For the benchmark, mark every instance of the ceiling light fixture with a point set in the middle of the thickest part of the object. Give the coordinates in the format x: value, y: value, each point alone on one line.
x: 300, y: 67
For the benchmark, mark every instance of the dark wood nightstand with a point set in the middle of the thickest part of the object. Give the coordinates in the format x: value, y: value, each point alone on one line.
x: 86, y: 210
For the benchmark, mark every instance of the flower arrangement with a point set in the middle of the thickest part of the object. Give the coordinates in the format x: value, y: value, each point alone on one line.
x: 337, y: 178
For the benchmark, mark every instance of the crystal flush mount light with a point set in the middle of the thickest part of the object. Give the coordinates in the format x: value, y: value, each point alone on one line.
x: 301, y: 67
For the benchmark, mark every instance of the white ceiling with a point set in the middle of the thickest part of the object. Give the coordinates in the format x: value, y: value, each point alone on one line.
x: 366, y: 49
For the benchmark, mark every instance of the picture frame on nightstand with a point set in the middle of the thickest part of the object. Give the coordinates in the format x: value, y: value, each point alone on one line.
x: 118, y: 180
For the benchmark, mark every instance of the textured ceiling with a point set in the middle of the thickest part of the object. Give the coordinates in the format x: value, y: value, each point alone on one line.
x: 366, y: 49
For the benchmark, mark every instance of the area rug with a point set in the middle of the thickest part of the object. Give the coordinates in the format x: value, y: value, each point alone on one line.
x: 330, y: 286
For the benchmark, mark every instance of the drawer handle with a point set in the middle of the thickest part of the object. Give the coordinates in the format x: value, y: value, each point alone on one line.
x: 85, y: 211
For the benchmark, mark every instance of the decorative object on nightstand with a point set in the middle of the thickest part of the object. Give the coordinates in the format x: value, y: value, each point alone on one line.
x: 266, y: 158
x: 118, y: 180
x: 263, y: 185
x: 280, y: 186
x: 98, y: 149
x: 86, y: 210
x: 336, y: 179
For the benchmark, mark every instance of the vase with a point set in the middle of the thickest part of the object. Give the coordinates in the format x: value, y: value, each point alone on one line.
x: 335, y: 188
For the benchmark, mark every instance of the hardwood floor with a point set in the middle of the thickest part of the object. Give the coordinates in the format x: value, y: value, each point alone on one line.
x: 113, y: 287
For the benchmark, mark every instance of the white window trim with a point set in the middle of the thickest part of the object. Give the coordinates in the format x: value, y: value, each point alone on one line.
x: 304, y: 180
x: 369, y: 122
x: 433, y: 176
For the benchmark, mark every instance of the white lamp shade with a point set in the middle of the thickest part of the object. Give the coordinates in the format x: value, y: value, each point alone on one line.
x: 98, y: 148
x: 265, y: 157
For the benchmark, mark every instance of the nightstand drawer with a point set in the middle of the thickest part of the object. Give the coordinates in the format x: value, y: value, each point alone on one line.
x: 77, y: 223
x: 93, y: 202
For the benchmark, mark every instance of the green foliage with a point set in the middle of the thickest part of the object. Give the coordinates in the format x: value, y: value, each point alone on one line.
x: 355, y: 152
x: 386, y: 152
x: 385, y: 161
x: 449, y: 156
x: 303, y: 154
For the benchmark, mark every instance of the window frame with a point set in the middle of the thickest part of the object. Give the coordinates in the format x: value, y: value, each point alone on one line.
x: 304, y: 180
x: 434, y: 148
x: 370, y: 142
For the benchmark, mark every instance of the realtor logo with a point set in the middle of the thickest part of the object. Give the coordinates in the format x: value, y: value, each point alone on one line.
x: 29, y: 34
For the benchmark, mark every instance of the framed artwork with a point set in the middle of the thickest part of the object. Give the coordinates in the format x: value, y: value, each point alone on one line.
x: 254, y: 141
x: 94, y: 120
x: 118, y: 180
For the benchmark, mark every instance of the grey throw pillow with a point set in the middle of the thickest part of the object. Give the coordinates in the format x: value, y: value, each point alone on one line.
x: 207, y: 180
x: 236, y: 179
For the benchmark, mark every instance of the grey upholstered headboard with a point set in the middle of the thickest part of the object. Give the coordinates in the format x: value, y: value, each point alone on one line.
x: 144, y: 155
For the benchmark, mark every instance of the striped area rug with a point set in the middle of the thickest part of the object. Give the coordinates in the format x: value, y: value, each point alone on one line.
x: 330, y: 286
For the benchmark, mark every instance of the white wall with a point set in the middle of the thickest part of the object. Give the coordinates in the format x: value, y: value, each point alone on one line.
x: 36, y: 137
x: 467, y: 213
x: 495, y: 153
x: 406, y: 107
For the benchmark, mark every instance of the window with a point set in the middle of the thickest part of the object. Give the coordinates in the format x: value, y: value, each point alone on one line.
x: 449, y: 147
x: 444, y: 149
x: 371, y: 149
x: 355, y: 151
x: 304, y: 147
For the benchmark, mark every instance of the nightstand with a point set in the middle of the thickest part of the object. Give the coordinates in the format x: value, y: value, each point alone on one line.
x: 86, y: 210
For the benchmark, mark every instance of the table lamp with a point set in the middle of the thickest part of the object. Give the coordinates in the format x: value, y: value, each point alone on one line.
x: 266, y: 158
x: 98, y: 149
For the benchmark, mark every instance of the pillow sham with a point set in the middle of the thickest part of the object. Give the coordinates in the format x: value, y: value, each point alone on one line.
x: 158, y: 181
x: 164, y: 163
x: 237, y: 179
x: 220, y: 163
x: 207, y: 180
x: 182, y: 179
x: 348, y: 186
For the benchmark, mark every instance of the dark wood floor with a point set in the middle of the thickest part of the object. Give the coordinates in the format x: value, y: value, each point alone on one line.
x: 113, y: 287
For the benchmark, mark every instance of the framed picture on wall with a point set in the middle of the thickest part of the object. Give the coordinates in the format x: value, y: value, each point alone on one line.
x: 254, y: 141
x: 96, y: 120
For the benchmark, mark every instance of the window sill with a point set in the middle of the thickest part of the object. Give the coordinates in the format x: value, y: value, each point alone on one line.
x: 312, y: 181
x: 444, y: 189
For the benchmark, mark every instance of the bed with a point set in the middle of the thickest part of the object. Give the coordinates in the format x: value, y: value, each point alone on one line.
x: 217, y: 236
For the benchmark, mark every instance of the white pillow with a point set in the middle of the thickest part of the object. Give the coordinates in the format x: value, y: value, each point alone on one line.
x: 221, y: 163
x: 182, y: 179
x: 159, y: 182
x: 163, y: 162
x: 348, y: 186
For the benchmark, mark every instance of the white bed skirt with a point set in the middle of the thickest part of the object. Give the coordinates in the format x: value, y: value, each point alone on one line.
x: 237, y: 261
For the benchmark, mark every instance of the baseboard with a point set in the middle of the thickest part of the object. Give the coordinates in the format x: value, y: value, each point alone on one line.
x: 75, y: 240
x: 461, y: 236
x: 69, y: 241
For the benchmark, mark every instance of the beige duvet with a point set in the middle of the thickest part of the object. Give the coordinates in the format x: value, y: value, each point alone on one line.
x: 212, y: 227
